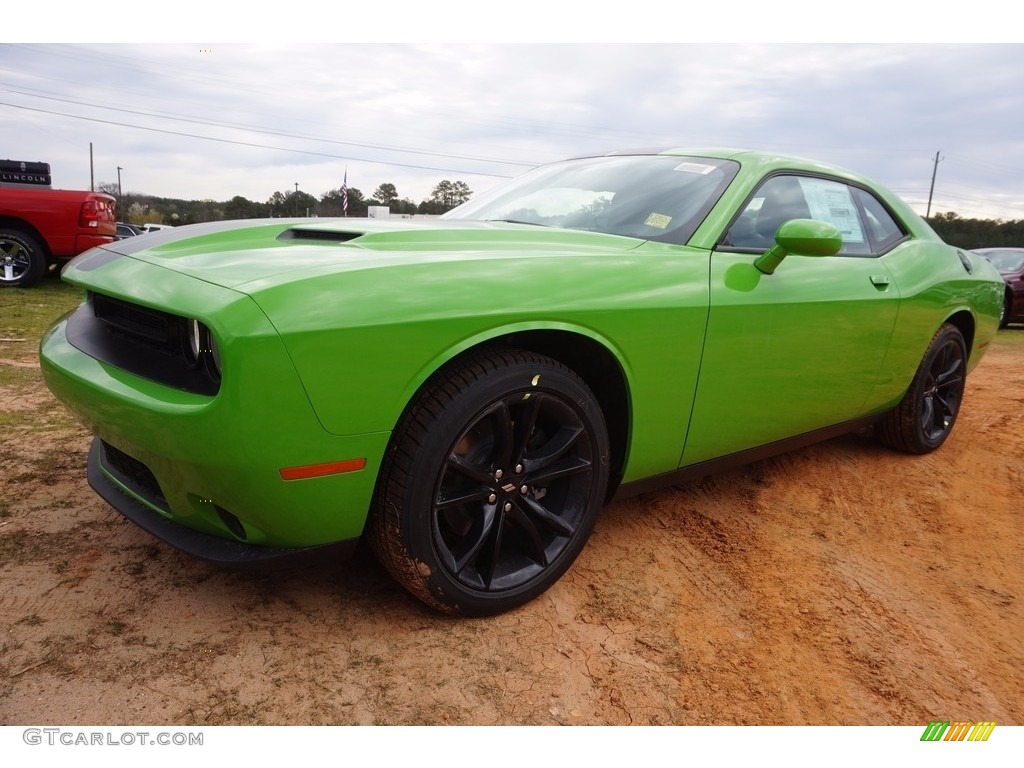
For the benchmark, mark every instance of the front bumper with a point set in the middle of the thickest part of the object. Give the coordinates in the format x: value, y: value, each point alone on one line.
x: 210, y: 465
x: 213, y: 549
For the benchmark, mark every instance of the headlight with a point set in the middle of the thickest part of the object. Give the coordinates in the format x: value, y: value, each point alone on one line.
x: 195, y: 340
x: 202, y: 348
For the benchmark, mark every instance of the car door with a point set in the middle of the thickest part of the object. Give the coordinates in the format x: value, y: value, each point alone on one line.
x: 798, y: 350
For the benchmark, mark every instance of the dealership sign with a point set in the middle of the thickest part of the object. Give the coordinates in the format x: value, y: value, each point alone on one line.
x: 21, y: 173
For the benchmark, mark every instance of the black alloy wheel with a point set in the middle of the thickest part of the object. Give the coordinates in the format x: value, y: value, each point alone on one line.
x: 926, y: 414
x: 494, y: 484
x: 943, y: 390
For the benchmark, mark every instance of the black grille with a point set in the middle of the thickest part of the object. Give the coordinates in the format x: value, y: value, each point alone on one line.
x: 134, y: 474
x: 143, y: 341
x: 145, y: 324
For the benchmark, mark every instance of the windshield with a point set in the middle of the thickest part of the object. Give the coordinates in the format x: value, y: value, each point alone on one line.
x: 655, y: 197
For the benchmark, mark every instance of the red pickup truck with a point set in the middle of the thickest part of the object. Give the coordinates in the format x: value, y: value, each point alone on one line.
x: 40, y: 227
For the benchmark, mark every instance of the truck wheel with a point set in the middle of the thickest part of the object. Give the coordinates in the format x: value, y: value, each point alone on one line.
x: 22, y: 261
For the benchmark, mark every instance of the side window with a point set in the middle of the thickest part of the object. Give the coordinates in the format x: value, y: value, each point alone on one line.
x: 777, y: 201
x: 882, y: 227
x: 782, y: 198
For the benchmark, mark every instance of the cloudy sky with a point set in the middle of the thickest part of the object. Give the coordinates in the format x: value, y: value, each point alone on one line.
x: 213, y: 120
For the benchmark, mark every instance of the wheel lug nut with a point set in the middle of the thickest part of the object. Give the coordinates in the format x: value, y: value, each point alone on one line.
x: 519, y: 469
x: 524, y: 490
x: 492, y: 498
x: 498, y: 475
x: 508, y: 507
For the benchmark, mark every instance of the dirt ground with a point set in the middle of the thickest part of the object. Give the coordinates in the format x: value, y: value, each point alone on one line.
x: 841, y: 584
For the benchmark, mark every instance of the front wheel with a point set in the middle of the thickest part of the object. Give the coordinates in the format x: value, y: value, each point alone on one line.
x: 926, y: 414
x: 22, y: 261
x: 492, y: 483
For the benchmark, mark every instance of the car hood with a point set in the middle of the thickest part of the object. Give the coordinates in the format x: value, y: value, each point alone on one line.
x: 253, y: 255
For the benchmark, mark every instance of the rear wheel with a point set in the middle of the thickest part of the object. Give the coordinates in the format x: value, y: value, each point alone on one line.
x: 926, y: 414
x: 22, y: 261
x: 1004, y: 315
x: 492, y: 483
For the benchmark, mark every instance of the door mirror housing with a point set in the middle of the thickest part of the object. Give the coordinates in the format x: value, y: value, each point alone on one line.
x: 800, y: 237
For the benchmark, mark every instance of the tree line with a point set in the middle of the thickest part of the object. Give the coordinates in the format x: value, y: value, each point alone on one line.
x: 136, y: 208
x: 978, y: 233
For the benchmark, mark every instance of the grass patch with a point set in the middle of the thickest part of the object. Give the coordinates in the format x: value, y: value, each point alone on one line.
x: 21, y: 376
x: 25, y: 313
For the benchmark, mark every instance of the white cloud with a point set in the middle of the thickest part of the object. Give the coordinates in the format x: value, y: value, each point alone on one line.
x: 273, y: 115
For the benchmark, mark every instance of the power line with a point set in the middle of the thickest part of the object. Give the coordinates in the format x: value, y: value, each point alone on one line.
x: 268, y: 132
x: 254, y: 144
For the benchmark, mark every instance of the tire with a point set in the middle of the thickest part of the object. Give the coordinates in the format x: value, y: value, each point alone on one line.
x: 926, y: 414
x: 1004, y: 314
x: 492, y: 483
x: 22, y: 260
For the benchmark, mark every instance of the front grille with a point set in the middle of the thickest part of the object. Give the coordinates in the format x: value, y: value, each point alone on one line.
x: 146, y: 342
x: 149, y: 325
x: 134, y: 474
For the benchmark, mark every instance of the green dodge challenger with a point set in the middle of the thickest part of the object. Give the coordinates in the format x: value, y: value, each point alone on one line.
x: 468, y: 391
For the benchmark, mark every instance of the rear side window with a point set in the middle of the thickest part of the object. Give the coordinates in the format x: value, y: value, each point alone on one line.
x: 882, y: 227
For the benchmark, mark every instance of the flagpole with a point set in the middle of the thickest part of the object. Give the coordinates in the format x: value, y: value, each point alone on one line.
x: 344, y: 194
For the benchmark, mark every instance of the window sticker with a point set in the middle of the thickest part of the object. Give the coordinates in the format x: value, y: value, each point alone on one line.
x: 832, y: 202
x: 698, y: 168
x: 658, y: 220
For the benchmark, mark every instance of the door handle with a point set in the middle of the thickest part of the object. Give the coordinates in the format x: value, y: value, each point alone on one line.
x: 880, y: 281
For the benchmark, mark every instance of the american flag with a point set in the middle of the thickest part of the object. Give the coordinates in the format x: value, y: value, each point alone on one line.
x: 344, y: 194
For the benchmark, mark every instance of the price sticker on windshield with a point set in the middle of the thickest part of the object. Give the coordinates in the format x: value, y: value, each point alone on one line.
x: 659, y: 220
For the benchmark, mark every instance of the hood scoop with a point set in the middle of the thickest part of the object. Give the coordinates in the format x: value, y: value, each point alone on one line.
x: 319, y: 235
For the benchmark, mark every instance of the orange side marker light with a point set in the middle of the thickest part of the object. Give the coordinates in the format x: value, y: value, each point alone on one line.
x: 321, y: 470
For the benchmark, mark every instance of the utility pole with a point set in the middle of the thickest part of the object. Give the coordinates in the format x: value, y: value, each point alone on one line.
x: 296, y: 199
x: 931, y: 190
x: 92, y: 176
x: 120, y: 194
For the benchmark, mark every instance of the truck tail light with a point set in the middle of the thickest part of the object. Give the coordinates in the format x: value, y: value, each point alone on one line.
x: 90, y: 215
x: 95, y: 211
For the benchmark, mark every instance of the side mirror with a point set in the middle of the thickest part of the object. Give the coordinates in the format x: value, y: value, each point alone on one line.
x: 801, y: 237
